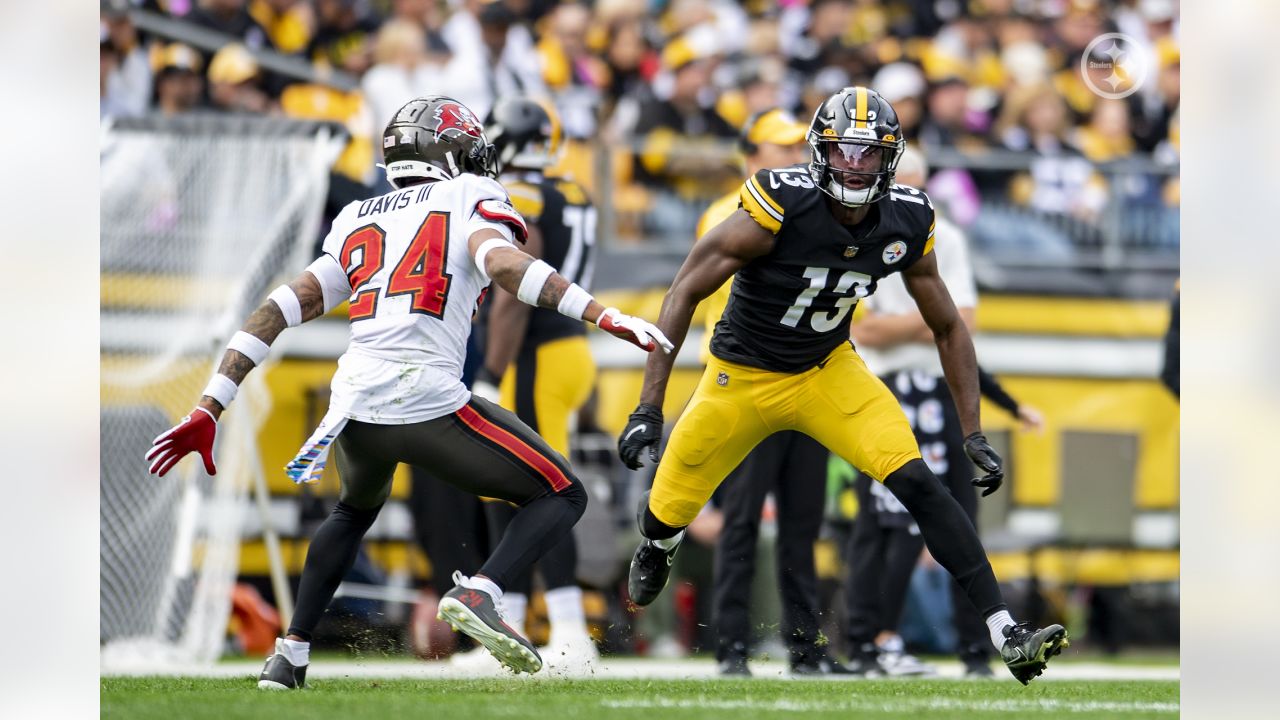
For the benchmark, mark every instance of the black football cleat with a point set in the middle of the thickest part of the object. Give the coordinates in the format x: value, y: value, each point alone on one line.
x: 650, y: 569
x: 733, y: 661
x: 975, y: 669
x: 280, y: 674
x: 733, y: 667
x: 864, y: 661
x: 1027, y: 650
x: 819, y: 665
x: 977, y: 662
x: 474, y: 613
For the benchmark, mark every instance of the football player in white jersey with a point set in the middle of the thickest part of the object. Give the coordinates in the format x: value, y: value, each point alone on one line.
x: 415, y: 264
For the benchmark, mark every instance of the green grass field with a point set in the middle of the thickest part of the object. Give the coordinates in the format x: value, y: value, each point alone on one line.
x: 230, y: 698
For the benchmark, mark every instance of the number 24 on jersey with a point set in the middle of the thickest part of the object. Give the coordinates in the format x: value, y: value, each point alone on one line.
x: 420, y: 274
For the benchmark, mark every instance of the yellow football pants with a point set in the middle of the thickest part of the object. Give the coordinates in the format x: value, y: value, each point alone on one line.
x: 546, y: 387
x: 839, y: 403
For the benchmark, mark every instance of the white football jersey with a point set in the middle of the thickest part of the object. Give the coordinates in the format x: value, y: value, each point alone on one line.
x: 414, y: 288
x: 891, y: 298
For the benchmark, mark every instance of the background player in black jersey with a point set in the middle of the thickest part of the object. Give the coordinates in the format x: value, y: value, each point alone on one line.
x: 538, y: 364
x: 806, y: 244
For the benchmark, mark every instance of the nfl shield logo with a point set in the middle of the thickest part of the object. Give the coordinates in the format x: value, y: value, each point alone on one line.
x: 722, y: 379
x: 850, y: 251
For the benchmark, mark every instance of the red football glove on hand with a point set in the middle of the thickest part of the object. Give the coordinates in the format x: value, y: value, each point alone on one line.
x: 634, y: 330
x: 195, y: 432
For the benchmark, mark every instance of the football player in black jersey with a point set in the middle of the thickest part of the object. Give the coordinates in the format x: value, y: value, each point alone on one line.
x: 805, y: 244
x: 537, y: 364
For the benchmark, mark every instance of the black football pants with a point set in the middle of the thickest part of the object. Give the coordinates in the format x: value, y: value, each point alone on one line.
x: 449, y: 525
x: 558, y: 567
x: 882, y: 556
x: 793, y: 466
x: 481, y: 449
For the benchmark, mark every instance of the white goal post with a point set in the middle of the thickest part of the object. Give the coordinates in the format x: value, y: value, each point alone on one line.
x: 200, y: 216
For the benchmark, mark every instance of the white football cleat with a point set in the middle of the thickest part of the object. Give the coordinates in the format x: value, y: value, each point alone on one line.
x: 571, y: 653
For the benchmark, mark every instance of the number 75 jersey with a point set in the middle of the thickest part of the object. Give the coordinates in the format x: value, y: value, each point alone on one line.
x: 789, y: 309
x: 414, y: 289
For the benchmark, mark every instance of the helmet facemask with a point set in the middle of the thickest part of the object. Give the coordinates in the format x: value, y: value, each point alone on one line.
x: 854, y: 171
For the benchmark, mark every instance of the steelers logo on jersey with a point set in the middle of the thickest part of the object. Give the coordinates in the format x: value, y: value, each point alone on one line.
x: 894, y: 252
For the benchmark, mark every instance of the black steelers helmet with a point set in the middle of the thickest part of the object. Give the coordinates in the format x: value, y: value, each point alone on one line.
x: 525, y: 133
x: 855, y: 127
x: 435, y: 138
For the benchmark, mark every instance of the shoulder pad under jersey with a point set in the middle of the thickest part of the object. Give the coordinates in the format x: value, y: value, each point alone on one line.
x: 914, y: 209
x: 769, y: 194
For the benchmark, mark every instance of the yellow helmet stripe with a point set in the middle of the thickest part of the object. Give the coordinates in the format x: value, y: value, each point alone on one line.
x: 860, y: 114
x: 557, y: 134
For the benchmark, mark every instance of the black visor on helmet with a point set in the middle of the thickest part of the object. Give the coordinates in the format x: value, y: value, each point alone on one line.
x: 853, y: 171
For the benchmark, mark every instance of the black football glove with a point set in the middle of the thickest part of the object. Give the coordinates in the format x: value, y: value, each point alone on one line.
x: 982, y: 455
x: 644, y: 430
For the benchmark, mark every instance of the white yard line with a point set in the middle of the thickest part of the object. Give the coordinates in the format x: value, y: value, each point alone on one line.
x: 897, y: 705
x: 626, y: 668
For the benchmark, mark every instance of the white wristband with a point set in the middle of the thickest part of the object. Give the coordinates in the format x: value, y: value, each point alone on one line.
x: 535, y: 276
x: 574, y: 302
x: 483, y: 251
x: 221, y: 388
x: 249, y: 346
x: 287, y: 300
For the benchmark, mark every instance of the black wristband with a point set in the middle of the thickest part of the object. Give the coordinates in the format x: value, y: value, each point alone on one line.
x: 993, y: 391
x: 648, y: 410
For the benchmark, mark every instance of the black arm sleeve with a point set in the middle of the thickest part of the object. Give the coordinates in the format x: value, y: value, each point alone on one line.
x: 1170, y: 374
x: 993, y: 391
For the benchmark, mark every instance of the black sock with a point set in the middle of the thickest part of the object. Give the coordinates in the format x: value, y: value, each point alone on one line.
x: 948, y: 533
x: 537, y: 527
x: 332, y: 553
x: 653, y: 528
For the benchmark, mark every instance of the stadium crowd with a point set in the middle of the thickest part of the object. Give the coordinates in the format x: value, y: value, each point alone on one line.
x: 667, y: 85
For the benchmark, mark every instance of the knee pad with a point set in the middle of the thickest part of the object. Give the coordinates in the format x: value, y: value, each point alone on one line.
x: 915, y: 485
x: 362, y: 519
x: 576, y: 496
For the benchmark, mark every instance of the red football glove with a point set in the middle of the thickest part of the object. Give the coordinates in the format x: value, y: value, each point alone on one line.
x: 194, y: 433
x: 638, y: 332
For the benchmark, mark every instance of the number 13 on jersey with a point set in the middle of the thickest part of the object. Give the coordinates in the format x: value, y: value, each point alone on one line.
x: 851, y: 286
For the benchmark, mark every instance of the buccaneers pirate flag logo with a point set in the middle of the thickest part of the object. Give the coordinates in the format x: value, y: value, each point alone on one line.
x: 454, y: 120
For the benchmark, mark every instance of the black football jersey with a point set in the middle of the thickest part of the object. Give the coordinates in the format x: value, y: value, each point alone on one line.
x: 566, y: 218
x: 789, y: 309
